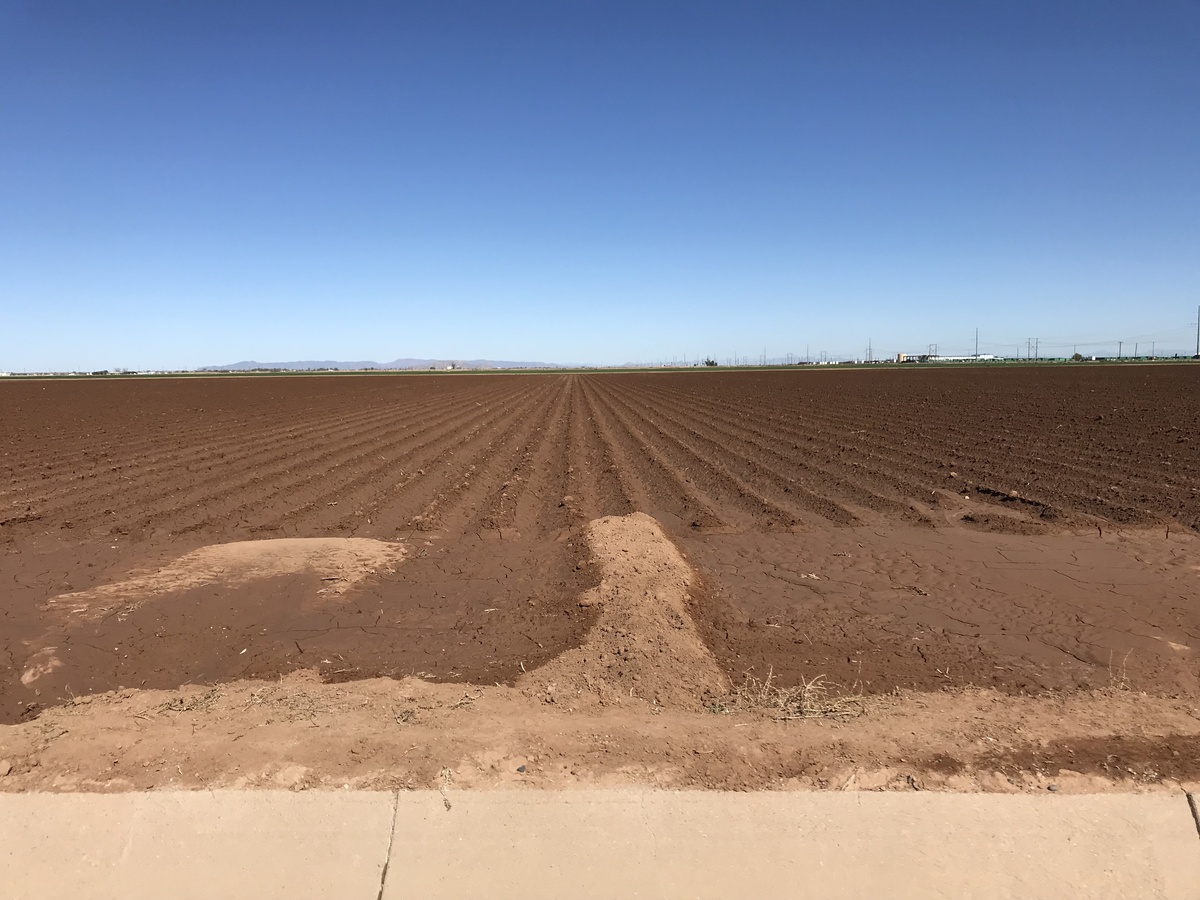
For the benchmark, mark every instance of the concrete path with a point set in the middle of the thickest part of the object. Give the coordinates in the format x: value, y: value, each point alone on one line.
x: 596, y: 843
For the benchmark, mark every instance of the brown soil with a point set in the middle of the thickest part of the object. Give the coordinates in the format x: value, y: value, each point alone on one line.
x: 960, y: 541
x: 915, y: 608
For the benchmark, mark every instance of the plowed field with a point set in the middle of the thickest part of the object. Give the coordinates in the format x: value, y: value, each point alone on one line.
x: 1020, y: 529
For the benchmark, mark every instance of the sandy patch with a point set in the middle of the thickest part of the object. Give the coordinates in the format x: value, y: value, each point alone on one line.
x: 41, y: 663
x: 342, y: 562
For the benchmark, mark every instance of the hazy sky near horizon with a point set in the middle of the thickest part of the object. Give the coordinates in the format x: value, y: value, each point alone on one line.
x: 184, y: 184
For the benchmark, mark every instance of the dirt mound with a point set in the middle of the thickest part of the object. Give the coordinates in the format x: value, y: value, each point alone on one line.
x: 340, y: 561
x: 644, y: 644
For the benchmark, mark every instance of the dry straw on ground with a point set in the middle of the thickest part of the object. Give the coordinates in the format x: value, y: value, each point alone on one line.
x: 814, y: 698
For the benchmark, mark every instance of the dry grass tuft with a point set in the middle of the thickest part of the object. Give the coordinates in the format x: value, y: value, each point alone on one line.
x: 192, y: 702
x: 292, y: 704
x: 1118, y: 679
x: 813, y: 698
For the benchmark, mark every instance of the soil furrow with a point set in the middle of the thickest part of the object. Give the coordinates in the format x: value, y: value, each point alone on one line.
x: 255, y: 461
x: 656, y: 487
x: 288, y: 476
x: 493, y: 466
x: 690, y: 452
x: 412, y: 504
x: 789, y: 466
x: 595, y: 483
x: 537, y: 506
x: 360, y: 487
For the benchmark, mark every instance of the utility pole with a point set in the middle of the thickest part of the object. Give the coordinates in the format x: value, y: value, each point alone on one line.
x: 1120, y: 344
x: 976, y: 345
x: 1198, y: 332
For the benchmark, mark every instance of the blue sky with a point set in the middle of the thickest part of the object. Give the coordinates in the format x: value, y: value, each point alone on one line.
x: 184, y: 184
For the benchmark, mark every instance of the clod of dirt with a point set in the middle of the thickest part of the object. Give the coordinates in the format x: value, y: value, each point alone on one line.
x: 342, y: 562
x: 644, y: 644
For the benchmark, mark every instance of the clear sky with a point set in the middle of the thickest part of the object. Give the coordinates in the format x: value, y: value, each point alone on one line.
x: 184, y: 184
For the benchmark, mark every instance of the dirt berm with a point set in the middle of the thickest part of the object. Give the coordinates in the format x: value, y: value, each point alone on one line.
x: 644, y: 643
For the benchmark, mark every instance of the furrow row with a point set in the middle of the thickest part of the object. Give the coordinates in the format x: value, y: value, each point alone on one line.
x: 789, y: 462
x: 257, y: 455
x: 646, y: 478
x: 338, y: 497
x: 484, y: 473
x: 596, y: 486
x: 736, y: 478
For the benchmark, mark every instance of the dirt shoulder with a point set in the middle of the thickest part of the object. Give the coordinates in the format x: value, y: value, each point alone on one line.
x: 300, y: 733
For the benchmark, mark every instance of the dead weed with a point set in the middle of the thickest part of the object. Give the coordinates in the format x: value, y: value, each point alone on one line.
x: 814, y: 698
x: 193, y: 702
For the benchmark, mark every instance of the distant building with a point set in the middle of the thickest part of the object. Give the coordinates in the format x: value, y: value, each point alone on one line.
x: 932, y: 358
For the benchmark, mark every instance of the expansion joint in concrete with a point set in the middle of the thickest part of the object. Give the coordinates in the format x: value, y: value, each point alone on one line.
x: 387, y: 856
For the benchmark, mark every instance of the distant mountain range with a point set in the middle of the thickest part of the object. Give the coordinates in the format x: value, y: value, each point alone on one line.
x: 309, y: 365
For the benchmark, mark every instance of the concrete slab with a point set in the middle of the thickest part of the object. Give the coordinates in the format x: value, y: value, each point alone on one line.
x: 222, y: 844
x: 636, y: 843
x: 595, y: 843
